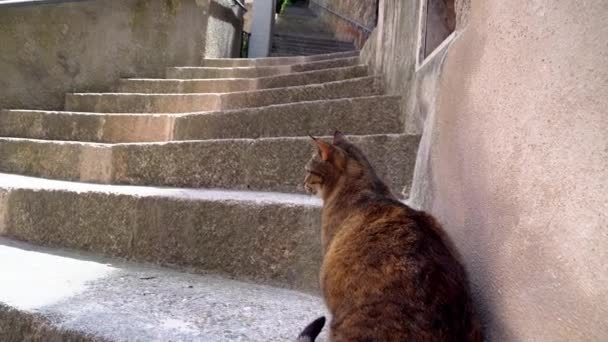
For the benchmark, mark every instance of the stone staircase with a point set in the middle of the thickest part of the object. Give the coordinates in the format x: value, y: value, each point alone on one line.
x: 196, y: 179
x: 298, y: 31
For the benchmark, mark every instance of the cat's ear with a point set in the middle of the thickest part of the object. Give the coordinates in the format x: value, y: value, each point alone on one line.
x: 325, y: 149
x: 339, y: 138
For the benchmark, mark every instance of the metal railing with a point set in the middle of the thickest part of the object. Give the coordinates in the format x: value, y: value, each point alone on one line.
x: 364, y: 29
x: 240, y: 4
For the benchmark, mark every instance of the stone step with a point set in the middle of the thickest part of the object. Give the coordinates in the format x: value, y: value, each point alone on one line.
x: 297, y: 26
x: 181, y: 103
x: 269, y: 164
x: 342, y: 46
x: 298, y: 50
x: 258, y: 71
x: 269, y: 61
x: 58, y: 295
x: 303, y: 48
x: 239, y: 84
x: 284, y: 54
x: 362, y: 115
x: 306, y: 48
x: 310, y: 39
x: 310, y: 47
x: 313, y: 43
x: 268, y: 238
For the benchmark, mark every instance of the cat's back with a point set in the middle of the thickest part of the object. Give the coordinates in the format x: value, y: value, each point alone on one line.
x: 379, y: 230
x: 391, y: 266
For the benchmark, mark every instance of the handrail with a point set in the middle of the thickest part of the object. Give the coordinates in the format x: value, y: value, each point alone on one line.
x: 17, y: 3
x: 349, y: 20
x: 240, y: 4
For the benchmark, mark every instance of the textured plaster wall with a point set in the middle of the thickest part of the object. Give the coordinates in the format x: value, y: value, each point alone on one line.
x: 513, y: 159
x: 47, y: 50
x: 518, y: 165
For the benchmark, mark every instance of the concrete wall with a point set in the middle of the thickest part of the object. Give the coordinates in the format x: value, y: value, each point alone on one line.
x: 224, y: 28
x: 47, y: 50
x: 514, y: 155
x: 360, y: 11
x: 391, y: 51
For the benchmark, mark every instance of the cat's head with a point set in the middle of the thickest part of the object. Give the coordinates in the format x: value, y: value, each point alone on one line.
x: 338, y: 164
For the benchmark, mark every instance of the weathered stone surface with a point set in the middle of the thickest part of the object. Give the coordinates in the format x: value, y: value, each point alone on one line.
x: 180, y: 86
x: 88, y: 45
x: 273, y: 164
x: 296, y: 44
x: 240, y: 84
x: 78, y: 297
x: 268, y: 61
x: 180, y: 103
x: 258, y: 71
x: 315, y: 76
x: 356, y: 87
x: 20, y: 325
x: 363, y: 115
x: 141, y: 103
x: 264, y: 237
x: 82, y: 126
x: 64, y: 160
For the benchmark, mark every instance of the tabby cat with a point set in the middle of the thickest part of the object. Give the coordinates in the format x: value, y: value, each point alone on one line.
x: 389, y: 273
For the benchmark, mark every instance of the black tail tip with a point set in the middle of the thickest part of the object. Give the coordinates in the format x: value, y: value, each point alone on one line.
x: 312, y: 330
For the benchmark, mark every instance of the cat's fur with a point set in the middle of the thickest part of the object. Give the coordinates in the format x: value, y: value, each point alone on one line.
x: 389, y: 272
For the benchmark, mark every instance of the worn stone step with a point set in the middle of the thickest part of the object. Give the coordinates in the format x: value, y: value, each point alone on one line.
x: 58, y: 295
x: 302, y: 49
x: 269, y: 164
x: 269, y: 61
x: 319, y: 47
x: 258, y: 71
x: 274, y: 53
x: 311, y: 39
x: 313, y: 43
x: 180, y: 103
x: 269, y: 238
x: 240, y: 84
x: 362, y: 115
x: 298, y: 51
x: 307, y: 47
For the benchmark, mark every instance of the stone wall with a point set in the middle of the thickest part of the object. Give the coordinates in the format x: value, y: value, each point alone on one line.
x: 51, y: 49
x: 513, y: 159
x: 360, y: 11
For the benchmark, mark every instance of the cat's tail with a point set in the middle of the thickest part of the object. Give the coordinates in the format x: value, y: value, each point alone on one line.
x: 310, y: 333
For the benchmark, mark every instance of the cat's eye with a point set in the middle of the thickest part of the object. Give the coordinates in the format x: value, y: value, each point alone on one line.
x: 314, y: 173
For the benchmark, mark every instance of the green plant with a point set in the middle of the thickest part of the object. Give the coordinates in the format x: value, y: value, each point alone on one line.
x: 285, y: 4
